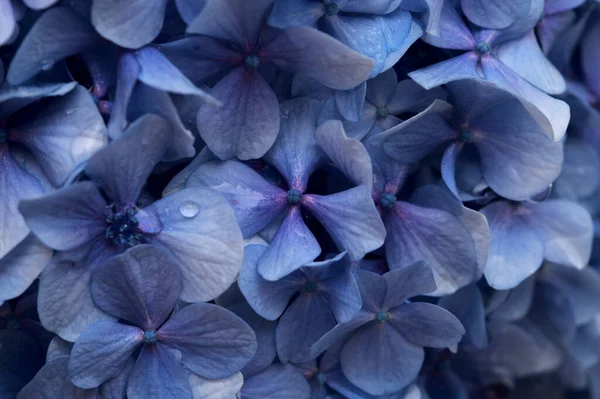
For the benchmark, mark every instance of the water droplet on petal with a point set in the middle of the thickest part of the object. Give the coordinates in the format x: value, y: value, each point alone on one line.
x: 189, y: 209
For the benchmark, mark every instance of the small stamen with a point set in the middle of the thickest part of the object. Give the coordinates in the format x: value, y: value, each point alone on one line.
x: 387, y: 201
x: 482, y: 48
x: 294, y: 196
x: 150, y: 337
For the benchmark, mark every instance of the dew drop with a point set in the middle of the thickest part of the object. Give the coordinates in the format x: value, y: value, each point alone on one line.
x: 188, y: 209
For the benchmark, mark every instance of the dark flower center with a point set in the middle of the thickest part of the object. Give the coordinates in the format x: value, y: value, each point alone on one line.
x: 3, y: 136
x: 321, y: 377
x: 466, y: 136
x: 482, y: 48
x: 12, y: 323
x: 252, y: 61
x: 381, y: 317
x: 149, y: 337
x: 331, y: 9
x: 123, y: 228
x: 382, y: 112
x: 294, y: 196
x: 387, y: 201
x: 310, y: 286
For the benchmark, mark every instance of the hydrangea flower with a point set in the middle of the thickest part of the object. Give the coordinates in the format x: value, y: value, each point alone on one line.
x: 377, y: 29
x: 383, y: 345
x: 92, y: 221
x: 141, y: 287
x: 516, y: 64
x: 349, y: 216
x: 327, y: 292
x: 233, y: 38
x: 517, y: 159
x: 12, y: 12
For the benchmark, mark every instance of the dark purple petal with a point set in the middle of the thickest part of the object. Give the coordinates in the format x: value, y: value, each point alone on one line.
x: 67, y: 133
x: 157, y: 375
x: 146, y: 100
x: 128, y: 71
x: 516, y: 250
x: 296, y: 13
x: 381, y: 88
x: 214, y: 342
x: 525, y: 57
x: 121, y: 169
x: 341, y: 332
x: 435, y: 236
x: 180, y: 180
x: 320, y: 56
x: 255, y: 202
x: 248, y: 122
x: 378, y: 360
x: 277, y: 382
x: 512, y: 305
x: 425, y: 324
x: 198, y: 227
x: 116, y: 388
x: 295, y: 153
x: 449, y: 166
x: 67, y: 218
x: 13, y: 98
x: 189, y: 9
x: 590, y: 46
x: 293, y: 246
x: 348, y: 154
x: 373, y: 290
x: 237, y: 21
x: 372, y: 7
x: 407, y: 282
x: 411, y: 97
x: 52, y: 381
x: 141, y: 286
x: 351, y: 219
x: 268, y: 298
x: 566, y: 229
x: 467, y: 305
x: 57, y: 34
x: 306, y: 320
x: 414, y: 139
x: 101, y: 351
x: 158, y: 72
x: 551, y: 27
x: 128, y: 23
x: 461, y: 67
x: 495, y: 14
x: 350, y: 102
x: 342, y: 294
x: 453, y: 33
x: 20, y: 178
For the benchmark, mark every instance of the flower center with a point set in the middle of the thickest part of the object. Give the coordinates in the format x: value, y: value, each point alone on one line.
x: 149, y: 337
x: 482, y: 48
x: 310, y: 286
x: 252, y: 61
x: 466, y: 136
x: 381, y: 317
x: 321, y: 377
x: 331, y: 9
x: 123, y: 228
x: 387, y: 200
x: 294, y: 196
x: 382, y: 112
x: 12, y: 323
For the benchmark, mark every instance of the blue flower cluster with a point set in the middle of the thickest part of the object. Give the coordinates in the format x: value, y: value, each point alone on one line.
x: 299, y: 199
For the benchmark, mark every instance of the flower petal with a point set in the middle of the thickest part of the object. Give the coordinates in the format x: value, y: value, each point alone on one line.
x: 590, y: 58
x: 224, y: 388
x: 121, y: 169
x: 248, y: 122
x: 7, y: 22
x: 453, y: 32
x: 320, y: 56
x: 295, y: 13
x: 378, y: 360
x: 214, y: 342
x: 461, y: 67
x: 351, y: 219
x: 350, y: 102
x: 341, y: 332
x: 128, y: 23
x: 127, y: 74
x: 189, y: 9
x: 495, y: 14
x: 342, y: 294
x: 101, y: 352
x: 56, y: 35
x: 467, y: 305
x: 198, y: 227
x: 268, y: 298
x: 157, y: 375
x: 141, y: 286
x: 279, y: 381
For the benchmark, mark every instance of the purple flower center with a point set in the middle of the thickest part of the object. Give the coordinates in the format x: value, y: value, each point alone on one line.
x: 149, y: 337
x: 12, y: 323
x: 387, y: 201
x: 321, y: 377
x: 123, y: 228
x: 466, y: 136
x: 294, y: 196
x: 310, y: 286
x: 482, y: 48
x: 331, y: 9
x: 382, y: 112
x: 252, y: 61
x: 3, y: 136
x: 381, y: 317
